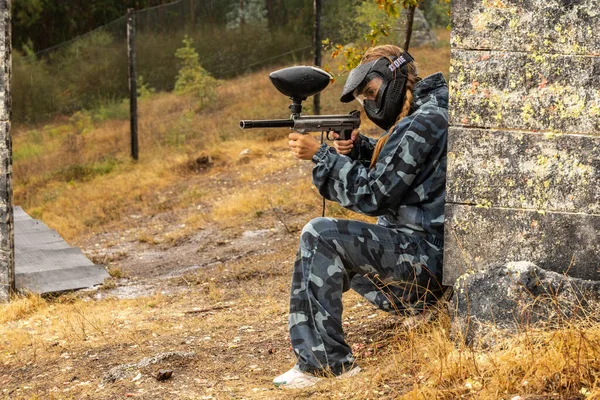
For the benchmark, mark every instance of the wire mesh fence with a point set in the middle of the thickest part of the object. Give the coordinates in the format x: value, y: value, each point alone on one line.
x: 231, y: 38
x: 91, y: 70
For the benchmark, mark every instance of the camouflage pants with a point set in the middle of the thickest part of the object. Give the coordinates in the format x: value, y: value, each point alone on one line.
x: 396, y: 271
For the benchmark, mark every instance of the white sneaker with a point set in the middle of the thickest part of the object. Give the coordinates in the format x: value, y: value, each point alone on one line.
x: 295, y: 379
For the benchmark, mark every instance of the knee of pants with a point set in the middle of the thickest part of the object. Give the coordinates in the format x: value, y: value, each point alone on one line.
x: 316, y: 228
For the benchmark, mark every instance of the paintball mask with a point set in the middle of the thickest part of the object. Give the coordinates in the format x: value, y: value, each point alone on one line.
x: 380, y: 87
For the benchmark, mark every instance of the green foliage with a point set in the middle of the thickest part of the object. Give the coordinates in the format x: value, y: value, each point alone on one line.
x: 93, y: 74
x: 338, y: 22
x: 35, y: 92
x: 437, y: 12
x: 390, y: 7
x: 34, y: 19
x: 378, y: 19
x: 143, y: 88
x: 380, y: 15
x: 82, y: 122
x: 86, y: 172
x: 57, y: 130
x: 112, y: 110
x: 31, y: 148
x: 27, y: 12
x: 91, y: 71
x: 192, y: 78
x: 179, y: 133
x: 27, y: 151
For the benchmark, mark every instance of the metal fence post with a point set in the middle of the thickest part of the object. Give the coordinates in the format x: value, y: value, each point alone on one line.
x: 7, y: 251
x: 317, y: 46
x: 132, y: 83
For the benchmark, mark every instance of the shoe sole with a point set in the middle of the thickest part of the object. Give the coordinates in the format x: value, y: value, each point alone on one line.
x: 312, y: 382
x: 304, y: 384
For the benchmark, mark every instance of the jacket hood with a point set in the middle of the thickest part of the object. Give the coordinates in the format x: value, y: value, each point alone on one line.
x: 425, y: 91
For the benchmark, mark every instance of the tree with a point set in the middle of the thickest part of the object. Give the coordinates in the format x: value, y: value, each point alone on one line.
x: 379, y: 29
x: 192, y: 78
x: 46, y: 23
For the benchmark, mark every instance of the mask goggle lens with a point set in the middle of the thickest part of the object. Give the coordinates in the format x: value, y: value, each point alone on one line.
x: 369, y: 94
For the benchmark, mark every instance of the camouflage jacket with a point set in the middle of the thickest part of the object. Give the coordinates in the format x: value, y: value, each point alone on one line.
x: 406, y: 189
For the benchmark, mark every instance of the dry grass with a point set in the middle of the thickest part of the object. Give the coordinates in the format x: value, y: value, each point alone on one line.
x: 536, y: 362
x: 58, y: 327
x: 233, y: 314
x: 21, y: 307
x: 422, y: 363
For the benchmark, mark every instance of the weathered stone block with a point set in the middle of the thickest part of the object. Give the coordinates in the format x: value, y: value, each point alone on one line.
x: 5, y: 60
x: 6, y: 274
x: 7, y: 277
x: 544, y: 26
x: 518, y: 68
x: 4, y: 292
x: 476, y: 237
x: 509, y: 298
x: 6, y: 235
x: 524, y: 170
x: 556, y: 93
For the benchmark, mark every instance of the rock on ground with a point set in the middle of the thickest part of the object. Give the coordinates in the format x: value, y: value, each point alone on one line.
x: 507, y: 298
x: 125, y: 370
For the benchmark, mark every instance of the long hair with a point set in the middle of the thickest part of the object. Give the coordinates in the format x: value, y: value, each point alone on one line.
x: 389, y: 51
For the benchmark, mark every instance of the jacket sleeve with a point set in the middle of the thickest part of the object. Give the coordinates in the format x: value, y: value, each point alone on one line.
x: 364, y: 149
x: 378, y: 190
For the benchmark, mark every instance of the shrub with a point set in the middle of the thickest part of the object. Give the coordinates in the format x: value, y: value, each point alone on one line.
x: 192, y: 78
x: 35, y: 93
x: 143, y: 88
x: 437, y: 12
x: 112, y: 110
x: 91, y: 71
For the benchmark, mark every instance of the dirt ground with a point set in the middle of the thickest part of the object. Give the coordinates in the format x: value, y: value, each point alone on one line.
x: 210, y: 305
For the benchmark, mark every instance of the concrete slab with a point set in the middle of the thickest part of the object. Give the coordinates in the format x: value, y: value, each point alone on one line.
x: 45, y: 263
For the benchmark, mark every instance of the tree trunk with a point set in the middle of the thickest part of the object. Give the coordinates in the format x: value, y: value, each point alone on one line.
x: 317, y: 47
x: 193, y: 14
x: 242, y: 22
x: 410, y: 16
x: 270, y: 14
x: 282, y: 11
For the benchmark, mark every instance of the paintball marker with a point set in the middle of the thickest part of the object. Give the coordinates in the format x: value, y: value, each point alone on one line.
x: 298, y: 83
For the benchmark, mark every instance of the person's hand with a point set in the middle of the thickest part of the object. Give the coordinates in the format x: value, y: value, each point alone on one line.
x: 344, y: 146
x: 304, y: 147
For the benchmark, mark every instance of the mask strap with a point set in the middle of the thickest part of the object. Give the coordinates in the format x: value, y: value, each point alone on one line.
x: 400, y: 61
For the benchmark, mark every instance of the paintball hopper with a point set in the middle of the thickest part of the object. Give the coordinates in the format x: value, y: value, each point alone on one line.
x: 299, y: 82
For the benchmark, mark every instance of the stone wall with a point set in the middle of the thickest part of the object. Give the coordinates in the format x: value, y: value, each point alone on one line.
x: 524, y: 137
x: 7, y: 275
